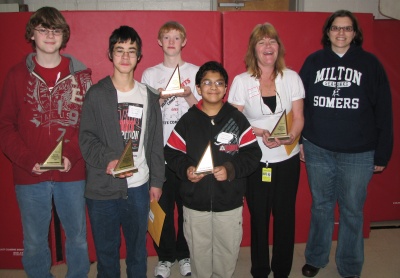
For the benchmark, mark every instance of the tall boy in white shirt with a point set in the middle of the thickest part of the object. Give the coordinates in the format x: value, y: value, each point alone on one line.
x: 172, y: 39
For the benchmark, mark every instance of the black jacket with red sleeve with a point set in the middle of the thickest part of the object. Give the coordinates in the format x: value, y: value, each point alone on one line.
x: 233, y: 145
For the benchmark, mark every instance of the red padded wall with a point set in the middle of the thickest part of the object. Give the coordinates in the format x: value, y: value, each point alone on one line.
x: 12, y: 49
x: 91, y: 30
x: 385, y: 189
x: 211, y: 36
x: 89, y: 42
x: 301, y: 34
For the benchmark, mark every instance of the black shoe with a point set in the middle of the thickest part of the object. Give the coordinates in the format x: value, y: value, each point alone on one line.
x: 352, y: 276
x: 309, y: 270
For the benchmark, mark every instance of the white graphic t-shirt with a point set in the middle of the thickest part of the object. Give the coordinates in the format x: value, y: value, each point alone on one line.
x: 132, y: 107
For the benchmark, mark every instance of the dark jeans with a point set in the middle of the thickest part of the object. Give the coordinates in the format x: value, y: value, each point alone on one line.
x: 173, y: 245
x: 106, y: 218
x: 279, y: 198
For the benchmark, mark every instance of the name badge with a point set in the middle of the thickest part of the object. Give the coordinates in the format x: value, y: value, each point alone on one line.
x: 135, y: 112
x: 266, y: 174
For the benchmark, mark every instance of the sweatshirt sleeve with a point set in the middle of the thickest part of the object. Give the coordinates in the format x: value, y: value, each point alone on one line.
x: 157, y: 167
x: 175, y: 152
x: 383, y: 118
x: 72, y: 150
x: 304, y: 76
x: 245, y: 162
x: 95, y: 153
x: 11, y: 142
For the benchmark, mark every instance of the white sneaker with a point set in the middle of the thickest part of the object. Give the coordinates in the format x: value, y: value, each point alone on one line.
x: 184, y: 267
x: 163, y: 269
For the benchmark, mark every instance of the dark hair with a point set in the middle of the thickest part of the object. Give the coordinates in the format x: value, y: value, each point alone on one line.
x: 259, y: 32
x: 211, y: 66
x: 47, y: 17
x: 358, y: 38
x: 124, y: 34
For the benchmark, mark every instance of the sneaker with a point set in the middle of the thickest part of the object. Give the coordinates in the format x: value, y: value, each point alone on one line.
x: 184, y: 267
x: 163, y: 269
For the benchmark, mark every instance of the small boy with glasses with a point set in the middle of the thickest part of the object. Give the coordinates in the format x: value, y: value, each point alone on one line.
x: 213, y: 203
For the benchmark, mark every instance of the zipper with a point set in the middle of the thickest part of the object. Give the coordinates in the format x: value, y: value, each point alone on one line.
x: 212, y: 146
x: 51, y: 92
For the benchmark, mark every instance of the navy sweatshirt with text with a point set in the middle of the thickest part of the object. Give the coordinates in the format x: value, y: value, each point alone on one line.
x: 348, y: 105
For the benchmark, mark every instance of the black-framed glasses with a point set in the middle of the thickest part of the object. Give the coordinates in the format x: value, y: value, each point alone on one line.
x: 45, y: 32
x: 335, y: 28
x: 120, y: 52
x: 277, y: 110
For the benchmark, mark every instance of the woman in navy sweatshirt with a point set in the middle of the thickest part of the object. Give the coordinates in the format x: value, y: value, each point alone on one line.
x: 347, y: 136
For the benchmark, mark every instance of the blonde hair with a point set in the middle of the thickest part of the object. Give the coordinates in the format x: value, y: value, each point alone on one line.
x: 259, y: 32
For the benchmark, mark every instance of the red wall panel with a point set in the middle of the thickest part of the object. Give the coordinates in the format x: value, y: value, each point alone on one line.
x: 301, y: 34
x: 211, y: 36
x: 90, y: 32
x: 12, y: 49
x: 89, y: 43
x: 385, y: 189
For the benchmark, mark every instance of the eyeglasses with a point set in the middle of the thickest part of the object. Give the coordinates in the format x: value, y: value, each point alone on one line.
x: 120, y: 53
x: 277, y: 111
x: 344, y: 28
x: 45, y: 32
x: 218, y: 83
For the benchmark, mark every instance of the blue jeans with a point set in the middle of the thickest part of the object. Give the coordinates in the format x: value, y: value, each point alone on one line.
x: 106, y: 218
x: 35, y: 204
x: 343, y: 178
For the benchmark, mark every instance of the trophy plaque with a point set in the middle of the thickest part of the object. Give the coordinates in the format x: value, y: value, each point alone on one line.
x: 206, y: 164
x: 280, y: 130
x: 174, y: 83
x: 125, y: 163
x: 54, y: 161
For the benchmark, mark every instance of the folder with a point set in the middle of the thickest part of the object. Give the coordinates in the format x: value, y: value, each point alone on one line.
x: 289, y: 148
x: 156, y: 221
